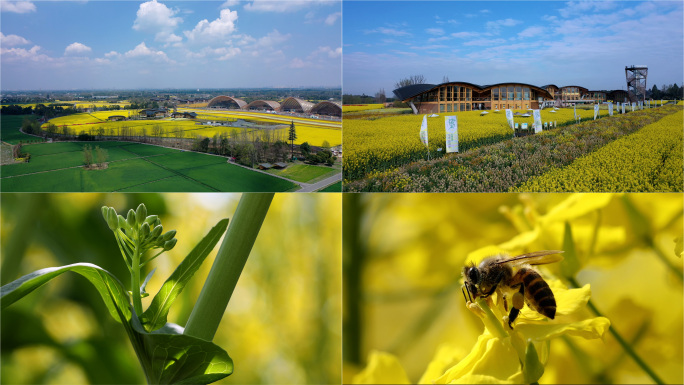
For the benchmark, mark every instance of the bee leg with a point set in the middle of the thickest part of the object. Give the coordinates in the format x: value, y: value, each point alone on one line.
x: 518, y: 303
x: 505, y: 303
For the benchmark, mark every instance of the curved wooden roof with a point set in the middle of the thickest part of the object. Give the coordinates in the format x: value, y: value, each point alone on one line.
x: 293, y: 103
x: 268, y: 104
x: 327, y: 108
x: 222, y: 98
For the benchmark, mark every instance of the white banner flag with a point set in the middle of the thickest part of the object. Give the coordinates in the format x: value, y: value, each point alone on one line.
x: 661, y: 102
x: 574, y: 111
x: 610, y: 108
x: 509, y: 117
x: 423, y: 131
x: 537, y: 121
x: 451, y: 125
x: 623, y: 108
x: 596, y: 108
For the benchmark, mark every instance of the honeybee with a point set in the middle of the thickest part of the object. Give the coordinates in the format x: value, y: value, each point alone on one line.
x: 497, y: 274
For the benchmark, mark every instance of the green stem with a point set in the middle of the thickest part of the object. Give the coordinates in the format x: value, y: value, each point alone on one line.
x: 626, y: 346
x: 135, y: 280
x: 494, y: 322
x: 676, y: 270
x: 230, y: 260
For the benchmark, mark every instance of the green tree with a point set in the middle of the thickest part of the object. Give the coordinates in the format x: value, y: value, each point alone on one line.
x: 292, y: 136
x: 305, y: 148
x: 101, y: 155
x: 87, y: 155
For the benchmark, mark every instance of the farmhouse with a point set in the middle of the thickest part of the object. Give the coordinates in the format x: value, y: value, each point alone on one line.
x: 464, y: 96
x: 190, y: 115
x: 116, y: 118
x: 154, y: 113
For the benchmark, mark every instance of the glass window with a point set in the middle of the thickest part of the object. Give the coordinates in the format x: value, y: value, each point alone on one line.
x: 518, y: 93
x: 441, y: 108
x: 469, y: 94
x: 511, y: 93
x: 495, y: 93
x: 503, y: 93
x: 526, y: 93
x: 468, y: 107
x: 442, y: 94
x: 448, y: 107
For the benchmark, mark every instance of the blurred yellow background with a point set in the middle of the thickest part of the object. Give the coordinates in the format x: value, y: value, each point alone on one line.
x: 282, y: 325
x: 403, y: 256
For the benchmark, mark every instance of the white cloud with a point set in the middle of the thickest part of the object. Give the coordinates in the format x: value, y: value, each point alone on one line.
x: 388, y: 31
x: 332, y: 18
x: 283, y: 6
x: 495, y: 26
x: 483, y: 42
x: 141, y: 50
x: 217, y: 29
x: 298, y: 63
x: 12, y: 40
x: 534, y: 31
x: 585, y: 7
x: 435, y: 31
x: 77, y: 49
x: 272, y: 39
x: 22, y: 54
x: 230, y: 3
x: 327, y: 51
x: 17, y: 6
x: 227, y: 52
x: 464, y: 34
x: 112, y: 54
x: 157, y: 18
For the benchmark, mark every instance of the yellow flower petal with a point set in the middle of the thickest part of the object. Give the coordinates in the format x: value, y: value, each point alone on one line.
x: 576, y: 206
x: 446, y: 357
x: 383, y: 368
x: 588, y: 328
x: 491, y: 357
x: 484, y: 379
x: 568, y: 301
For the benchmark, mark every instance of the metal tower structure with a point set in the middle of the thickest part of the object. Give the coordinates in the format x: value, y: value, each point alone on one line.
x: 636, y: 82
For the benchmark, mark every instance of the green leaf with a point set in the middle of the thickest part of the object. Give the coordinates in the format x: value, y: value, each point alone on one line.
x: 570, y: 264
x: 167, y: 356
x: 109, y: 287
x: 173, y: 358
x: 533, y: 368
x: 155, y: 316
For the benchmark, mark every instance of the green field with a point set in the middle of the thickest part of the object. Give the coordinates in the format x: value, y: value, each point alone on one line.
x: 335, y: 187
x: 133, y: 167
x: 303, y: 172
x: 9, y: 130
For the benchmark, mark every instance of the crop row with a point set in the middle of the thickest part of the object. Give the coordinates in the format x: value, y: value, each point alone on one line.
x: 387, y: 143
x: 361, y: 107
x: 507, y: 164
x: 646, y: 161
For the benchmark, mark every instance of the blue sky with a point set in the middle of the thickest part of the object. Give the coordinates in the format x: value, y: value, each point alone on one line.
x: 170, y: 44
x: 485, y: 42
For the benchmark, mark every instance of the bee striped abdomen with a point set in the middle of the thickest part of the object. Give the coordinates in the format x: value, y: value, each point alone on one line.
x: 538, y: 293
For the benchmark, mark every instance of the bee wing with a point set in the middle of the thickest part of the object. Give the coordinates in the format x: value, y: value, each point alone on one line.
x: 535, y: 258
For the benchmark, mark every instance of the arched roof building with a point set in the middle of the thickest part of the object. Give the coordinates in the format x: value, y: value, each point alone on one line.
x: 227, y: 102
x: 296, y: 105
x: 464, y: 96
x: 327, y: 108
x: 263, y: 105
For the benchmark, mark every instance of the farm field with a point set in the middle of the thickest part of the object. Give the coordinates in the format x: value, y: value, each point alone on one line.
x: 509, y: 163
x: 333, y: 188
x: 56, y: 167
x: 649, y: 160
x: 9, y: 130
x: 361, y: 107
x: 386, y: 143
x: 313, y: 131
x: 303, y: 172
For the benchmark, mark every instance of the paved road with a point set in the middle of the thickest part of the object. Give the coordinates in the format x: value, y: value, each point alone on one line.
x: 306, y: 187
